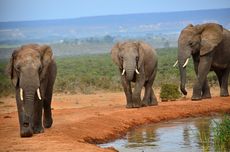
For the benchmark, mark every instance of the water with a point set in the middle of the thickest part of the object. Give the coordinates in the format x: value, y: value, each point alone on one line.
x: 192, y: 134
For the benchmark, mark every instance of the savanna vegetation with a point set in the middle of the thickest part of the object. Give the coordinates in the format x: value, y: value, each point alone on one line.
x: 169, y: 92
x: 89, y: 73
x: 222, y: 134
x: 217, y: 135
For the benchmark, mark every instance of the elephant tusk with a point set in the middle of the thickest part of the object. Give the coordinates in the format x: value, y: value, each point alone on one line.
x: 186, y: 62
x: 39, y: 94
x: 21, y: 94
x: 175, y: 63
x: 123, y: 72
x: 137, y: 71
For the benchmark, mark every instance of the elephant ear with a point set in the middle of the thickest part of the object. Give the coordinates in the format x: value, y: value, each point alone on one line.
x: 11, y: 70
x: 141, y: 51
x: 114, y: 54
x: 46, y: 59
x: 211, y: 36
x: 189, y: 26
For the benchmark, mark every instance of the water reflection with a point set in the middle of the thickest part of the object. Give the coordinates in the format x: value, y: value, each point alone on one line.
x: 193, y: 134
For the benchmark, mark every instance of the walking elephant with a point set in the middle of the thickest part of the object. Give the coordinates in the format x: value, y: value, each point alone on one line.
x: 32, y: 70
x: 137, y: 63
x: 209, y: 46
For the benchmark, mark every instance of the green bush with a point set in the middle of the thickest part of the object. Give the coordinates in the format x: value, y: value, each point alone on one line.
x: 169, y: 92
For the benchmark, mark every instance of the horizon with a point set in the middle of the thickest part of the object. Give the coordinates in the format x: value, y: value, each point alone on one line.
x: 24, y: 10
x: 113, y: 15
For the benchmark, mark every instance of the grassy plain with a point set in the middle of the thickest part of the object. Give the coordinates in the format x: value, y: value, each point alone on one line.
x: 90, y: 73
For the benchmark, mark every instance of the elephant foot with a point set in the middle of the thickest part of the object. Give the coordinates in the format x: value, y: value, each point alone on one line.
x: 196, y: 98
x: 26, y: 132
x: 47, y: 123
x: 208, y: 96
x: 136, y: 105
x: 145, y: 103
x: 136, y: 102
x: 129, y: 105
x: 154, y: 103
x: 149, y: 103
x: 224, y: 93
x: 196, y: 94
x: 38, y: 130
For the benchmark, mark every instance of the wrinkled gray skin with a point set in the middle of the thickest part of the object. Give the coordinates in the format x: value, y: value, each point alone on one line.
x: 32, y: 67
x: 131, y: 56
x: 209, y: 46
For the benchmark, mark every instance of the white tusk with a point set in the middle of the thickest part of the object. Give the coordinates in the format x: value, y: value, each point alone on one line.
x: 186, y: 62
x: 21, y: 94
x: 175, y: 63
x: 137, y: 71
x: 123, y: 72
x: 39, y: 94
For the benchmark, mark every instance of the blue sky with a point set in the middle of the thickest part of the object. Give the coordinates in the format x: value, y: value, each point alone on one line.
x: 18, y: 10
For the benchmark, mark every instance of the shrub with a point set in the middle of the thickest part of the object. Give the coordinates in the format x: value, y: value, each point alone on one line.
x: 169, y: 92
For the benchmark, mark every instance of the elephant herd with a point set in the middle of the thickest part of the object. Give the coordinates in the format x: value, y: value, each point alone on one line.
x: 32, y: 70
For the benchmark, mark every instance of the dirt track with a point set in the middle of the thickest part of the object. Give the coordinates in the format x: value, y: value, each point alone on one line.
x: 83, y: 119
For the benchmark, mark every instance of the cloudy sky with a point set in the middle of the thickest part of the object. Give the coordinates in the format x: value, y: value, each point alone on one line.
x: 21, y: 10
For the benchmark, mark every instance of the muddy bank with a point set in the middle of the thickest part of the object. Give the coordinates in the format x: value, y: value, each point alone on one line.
x: 83, y: 120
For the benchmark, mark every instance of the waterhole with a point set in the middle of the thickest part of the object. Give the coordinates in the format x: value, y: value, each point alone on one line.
x: 190, y: 134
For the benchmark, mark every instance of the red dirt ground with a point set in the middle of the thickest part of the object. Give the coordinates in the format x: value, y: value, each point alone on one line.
x: 80, y: 121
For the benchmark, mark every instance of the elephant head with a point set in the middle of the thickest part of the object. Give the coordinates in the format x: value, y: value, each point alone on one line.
x: 27, y: 69
x: 197, y: 40
x: 129, y: 58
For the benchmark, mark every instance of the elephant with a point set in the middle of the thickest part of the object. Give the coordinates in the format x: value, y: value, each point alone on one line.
x: 209, y: 46
x: 137, y: 62
x: 32, y: 70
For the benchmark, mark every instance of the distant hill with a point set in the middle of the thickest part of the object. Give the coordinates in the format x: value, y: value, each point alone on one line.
x: 129, y: 25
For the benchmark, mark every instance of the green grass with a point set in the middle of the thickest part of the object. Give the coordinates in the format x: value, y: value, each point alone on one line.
x: 89, y: 73
x: 222, y: 134
x: 5, y: 84
x: 216, y: 135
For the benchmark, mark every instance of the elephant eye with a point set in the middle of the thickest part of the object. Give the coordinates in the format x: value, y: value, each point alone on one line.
x: 191, y: 44
x: 40, y: 69
x: 137, y: 58
x: 17, y: 68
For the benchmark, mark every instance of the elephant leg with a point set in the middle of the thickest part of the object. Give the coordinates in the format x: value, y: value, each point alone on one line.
x: 48, y: 121
x: 47, y: 118
x: 153, y: 99
x: 146, y: 99
x: 136, y: 96
x: 206, y: 90
x: 128, y: 92
x: 203, y: 69
x: 219, y: 76
x: 37, y: 128
x: 149, y: 97
x: 224, y: 84
x: 223, y: 81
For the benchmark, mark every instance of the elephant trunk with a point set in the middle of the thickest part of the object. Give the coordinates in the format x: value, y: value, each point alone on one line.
x: 130, y: 73
x: 28, y: 113
x: 182, y: 68
x: 182, y: 79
